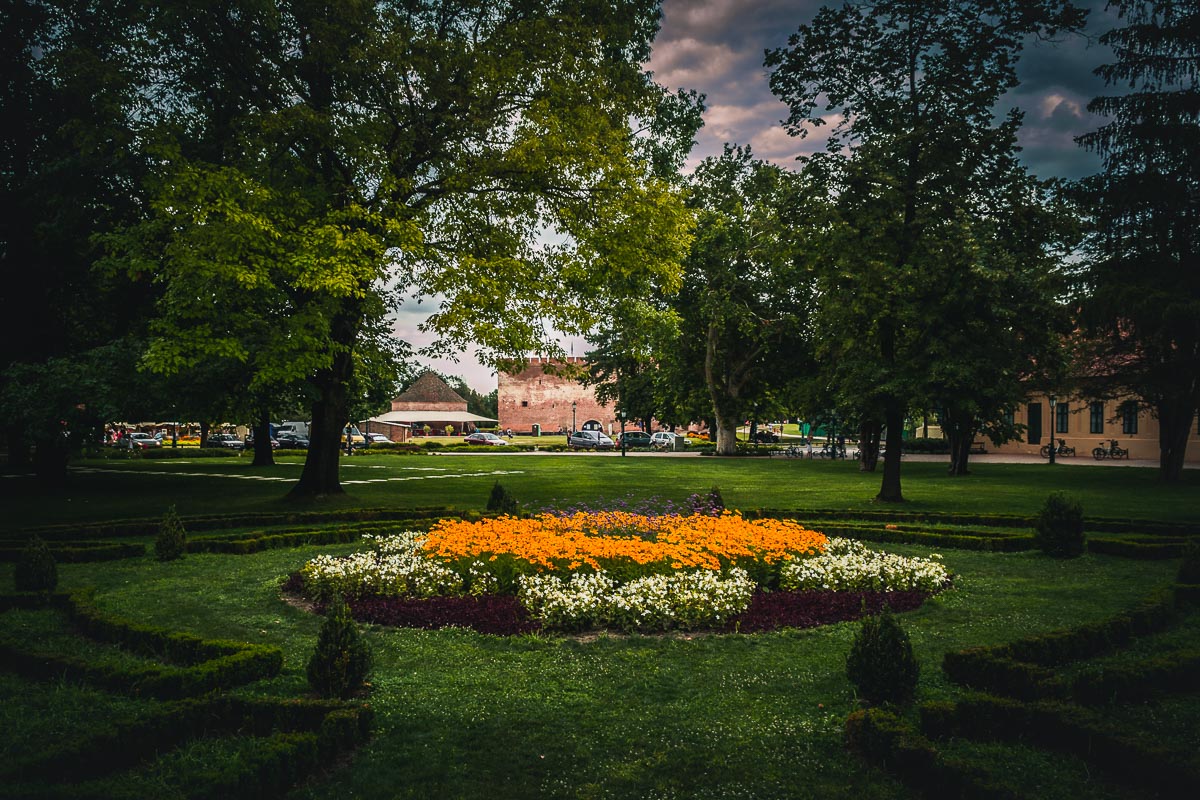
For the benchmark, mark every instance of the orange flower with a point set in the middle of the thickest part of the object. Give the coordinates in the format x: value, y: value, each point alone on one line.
x: 587, y: 538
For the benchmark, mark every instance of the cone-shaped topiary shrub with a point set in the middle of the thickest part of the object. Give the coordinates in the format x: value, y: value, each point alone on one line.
x: 171, y: 542
x: 881, y: 664
x: 36, y: 570
x: 502, y: 501
x: 1189, y: 570
x: 1060, y: 527
x: 342, y: 661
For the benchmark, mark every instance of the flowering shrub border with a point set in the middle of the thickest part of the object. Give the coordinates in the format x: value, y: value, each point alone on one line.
x: 579, y: 570
x: 504, y: 615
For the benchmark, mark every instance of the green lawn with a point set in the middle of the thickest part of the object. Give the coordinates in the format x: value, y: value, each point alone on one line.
x: 462, y: 715
x: 146, y: 488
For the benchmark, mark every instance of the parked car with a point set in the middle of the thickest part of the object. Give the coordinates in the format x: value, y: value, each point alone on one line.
x: 377, y: 438
x: 634, y: 439
x: 227, y: 440
x: 663, y: 440
x: 589, y: 440
x: 479, y: 437
x: 250, y: 441
x: 140, y: 441
x: 290, y: 440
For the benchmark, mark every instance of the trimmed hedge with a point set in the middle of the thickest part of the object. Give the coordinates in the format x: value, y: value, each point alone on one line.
x: 1137, y: 548
x: 149, y: 527
x: 991, y: 543
x: 1067, y: 729
x: 73, y: 552
x: 1173, y: 672
x: 890, y: 743
x: 1017, y: 669
x: 197, y: 665
x: 334, y: 728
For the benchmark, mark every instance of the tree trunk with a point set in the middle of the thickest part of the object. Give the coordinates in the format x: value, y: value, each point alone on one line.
x: 204, y: 429
x: 960, y: 431
x: 726, y: 436
x: 18, y: 449
x: 1174, y: 427
x: 50, y: 461
x: 264, y: 456
x: 889, y: 491
x: 869, y: 433
x: 320, y: 475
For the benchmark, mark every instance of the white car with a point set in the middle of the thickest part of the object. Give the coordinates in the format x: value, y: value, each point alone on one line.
x: 663, y: 440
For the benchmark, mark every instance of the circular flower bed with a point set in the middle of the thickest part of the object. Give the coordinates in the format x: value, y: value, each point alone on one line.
x: 620, y: 570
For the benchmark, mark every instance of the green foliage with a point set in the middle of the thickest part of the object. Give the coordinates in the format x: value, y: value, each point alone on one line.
x: 939, y: 249
x: 739, y: 339
x: 1059, y: 526
x: 36, y: 571
x: 1143, y: 294
x: 503, y: 501
x: 1189, y: 570
x: 171, y: 542
x: 342, y: 661
x: 881, y: 664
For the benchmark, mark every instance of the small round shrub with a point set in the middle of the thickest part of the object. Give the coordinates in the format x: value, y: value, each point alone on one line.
x: 502, y: 500
x: 1060, y: 527
x: 342, y: 661
x: 1189, y: 570
x: 881, y: 664
x: 36, y: 570
x: 171, y: 542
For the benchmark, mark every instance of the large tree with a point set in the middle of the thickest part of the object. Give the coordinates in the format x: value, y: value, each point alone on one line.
x: 744, y: 279
x: 329, y: 157
x: 913, y: 85
x: 69, y: 169
x: 1142, y: 301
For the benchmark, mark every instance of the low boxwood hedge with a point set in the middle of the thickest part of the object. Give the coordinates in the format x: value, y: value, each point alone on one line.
x: 195, y: 665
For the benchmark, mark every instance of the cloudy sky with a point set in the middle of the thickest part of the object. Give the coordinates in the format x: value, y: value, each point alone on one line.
x: 716, y: 47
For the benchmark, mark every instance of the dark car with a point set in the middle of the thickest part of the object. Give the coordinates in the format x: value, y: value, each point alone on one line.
x: 227, y: 440
x: 589, y: 440
x: 634, y: 439
x: 290, y: 440
x: 479, y: 437
x: 250, y: 441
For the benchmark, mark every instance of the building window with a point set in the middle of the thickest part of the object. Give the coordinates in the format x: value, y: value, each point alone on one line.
x: 1129, y: 417
x: 1010, y: 418
x: 1062, y: 418
x: 1097, y: 417
x: 524, y: 404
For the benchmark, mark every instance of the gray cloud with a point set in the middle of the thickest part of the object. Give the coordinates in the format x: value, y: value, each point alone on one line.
x: 716, y: 47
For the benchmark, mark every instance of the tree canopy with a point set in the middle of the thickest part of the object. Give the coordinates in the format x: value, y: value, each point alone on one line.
x: 913, y: 85
x: 1141, y: 294
x: 318, y: 164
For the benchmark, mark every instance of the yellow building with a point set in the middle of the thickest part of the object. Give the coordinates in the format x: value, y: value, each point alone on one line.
x: 1086, y: 424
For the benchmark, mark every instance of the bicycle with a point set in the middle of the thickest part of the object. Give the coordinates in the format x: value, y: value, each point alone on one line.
x: 1062, y: 449
x: 794, y: 451
x: 832, y: 451
x: 1112, y: 451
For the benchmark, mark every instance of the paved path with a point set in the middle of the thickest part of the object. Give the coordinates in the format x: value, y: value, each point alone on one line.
x: 989, y: 458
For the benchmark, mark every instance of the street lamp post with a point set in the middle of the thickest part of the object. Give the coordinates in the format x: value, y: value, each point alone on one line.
x: 1053, y: 427
x: 623, y: 416
x: 573, y: 404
